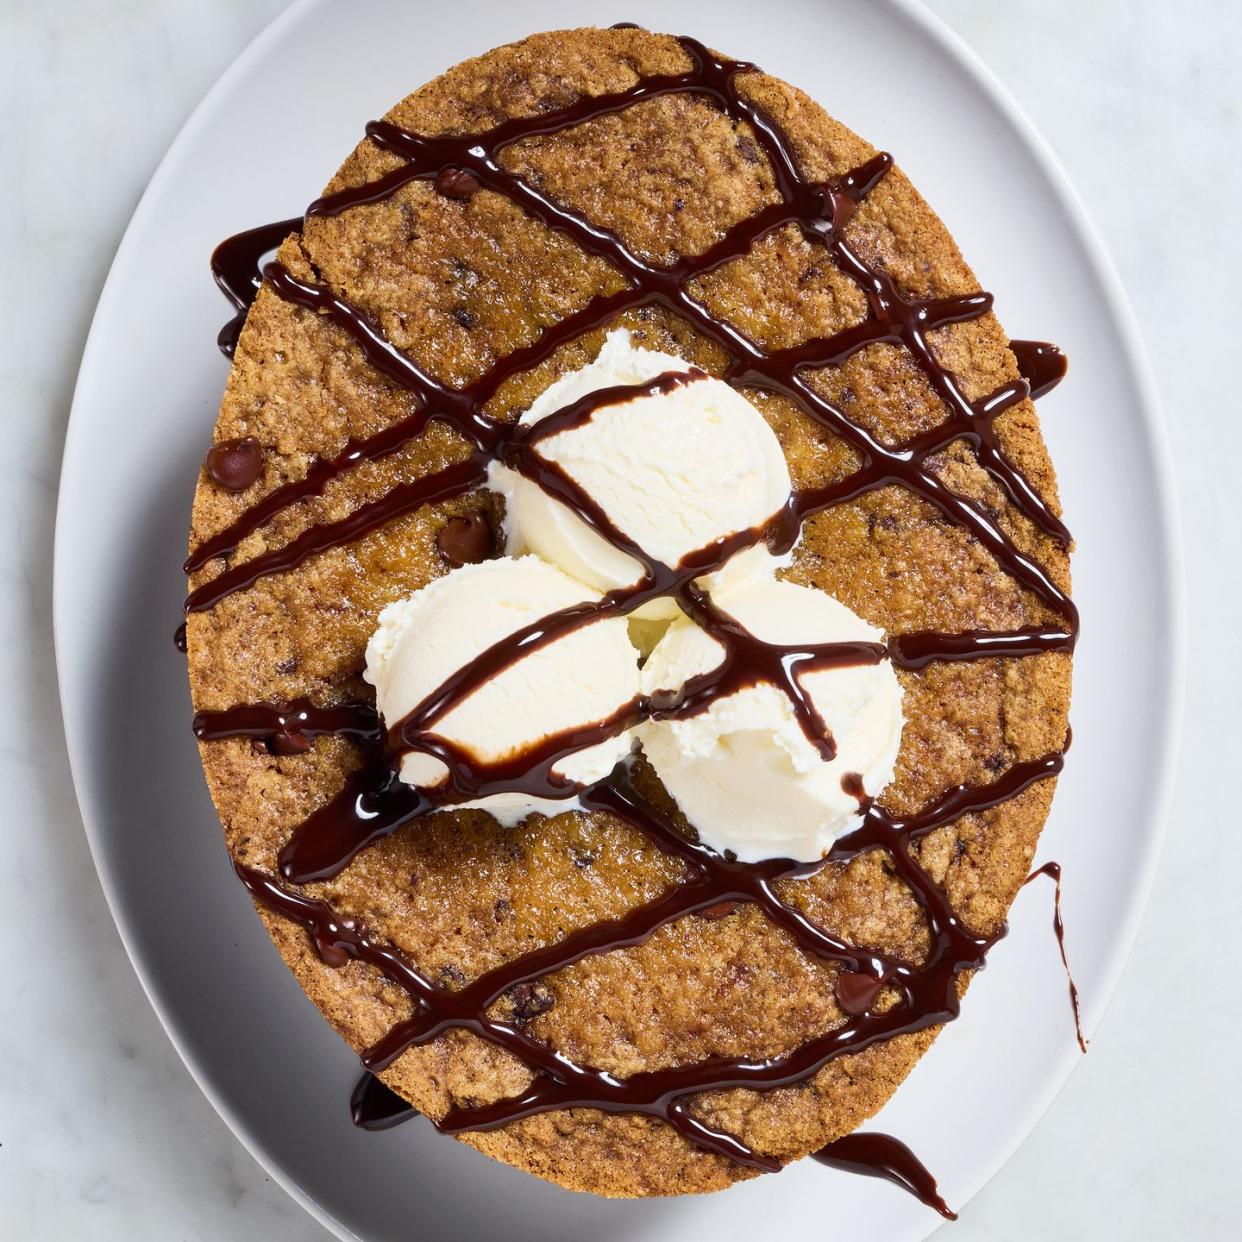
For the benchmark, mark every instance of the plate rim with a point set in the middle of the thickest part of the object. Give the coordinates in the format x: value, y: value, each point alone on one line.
x: 1148, y: 410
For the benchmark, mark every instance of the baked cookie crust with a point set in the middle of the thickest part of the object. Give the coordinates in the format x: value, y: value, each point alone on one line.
x: 458, y: 284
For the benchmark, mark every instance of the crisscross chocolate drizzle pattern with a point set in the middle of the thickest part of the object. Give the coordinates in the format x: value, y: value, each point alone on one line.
x: 374, y: 803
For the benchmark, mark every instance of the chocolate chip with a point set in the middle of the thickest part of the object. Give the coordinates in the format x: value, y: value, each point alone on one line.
x: 234, y: 464
x: 747, y: 149
x: 465, y: 540
x: 721, y: 910
x: 457, y: 183
x: 856, y: 992
x: 583, y: 860
x: 260, y: 746
x: 453, y: 975
x: 463, y: 318
x: 530, y: 1000
x: 290, y: 743
x: 285, y: 667
x: 410, y: 220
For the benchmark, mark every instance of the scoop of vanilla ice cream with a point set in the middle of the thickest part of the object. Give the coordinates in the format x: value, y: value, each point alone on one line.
x: 743, y: 771
x: 674, y: 471
x: 582, y: 677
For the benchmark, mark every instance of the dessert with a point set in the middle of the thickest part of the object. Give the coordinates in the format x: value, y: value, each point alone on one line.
x: 597, y: 995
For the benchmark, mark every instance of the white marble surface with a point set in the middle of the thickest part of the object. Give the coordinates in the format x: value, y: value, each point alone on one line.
x: 102, y: 1133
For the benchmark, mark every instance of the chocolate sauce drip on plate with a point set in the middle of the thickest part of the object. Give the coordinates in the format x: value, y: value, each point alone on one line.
x: 1041, y: 364
x: 1053, y: 871
x: 880, y: 1155
x: 374, y: 1106
x: 235, y: 265
x: 374, y: 802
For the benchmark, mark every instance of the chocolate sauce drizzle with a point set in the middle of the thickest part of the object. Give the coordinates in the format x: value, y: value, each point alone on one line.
x: 374, y: 803
x: 375, y: 1106
x: 1053, y: 871
x: 301, y: 717
x: 1041, y: 364
x: 235, y: 265
x: 880, y: 1155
